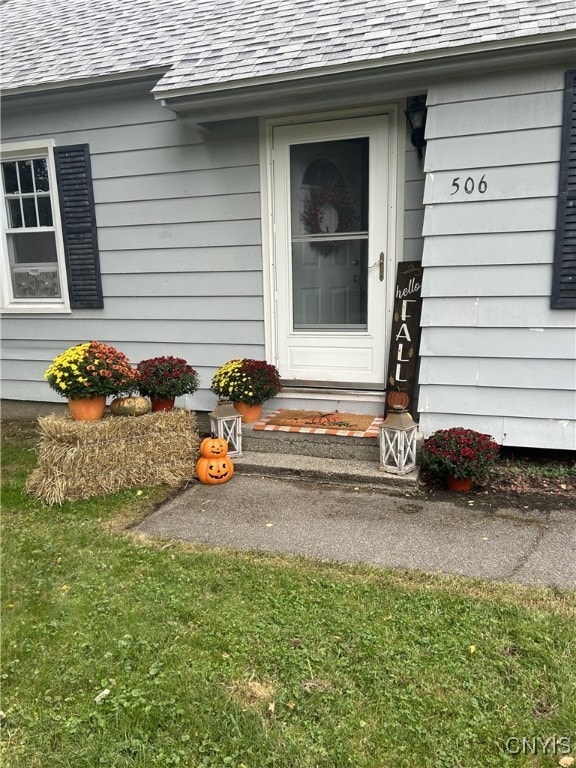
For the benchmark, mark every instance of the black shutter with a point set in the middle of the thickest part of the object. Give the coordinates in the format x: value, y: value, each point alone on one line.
x: 74, y: 176
x: 564, y: 273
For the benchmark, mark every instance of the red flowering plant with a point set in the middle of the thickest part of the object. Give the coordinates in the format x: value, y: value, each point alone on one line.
x: 460, y: 453
x: 163, y: 377
x: 91, y: 369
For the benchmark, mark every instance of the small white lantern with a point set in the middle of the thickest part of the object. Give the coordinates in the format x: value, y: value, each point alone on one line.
x: 398, y: 443
x: 226, y: 422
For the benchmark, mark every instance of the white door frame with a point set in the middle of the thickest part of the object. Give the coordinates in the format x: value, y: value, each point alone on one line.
x: 394, y: 213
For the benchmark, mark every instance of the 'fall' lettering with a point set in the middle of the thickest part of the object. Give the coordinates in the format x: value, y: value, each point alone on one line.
x: 403, y: 314
x: 399, y: 357
x: 398, y: 372
x: 403, y: 333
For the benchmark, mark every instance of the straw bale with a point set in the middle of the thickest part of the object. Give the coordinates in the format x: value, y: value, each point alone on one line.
x: 80, y: 459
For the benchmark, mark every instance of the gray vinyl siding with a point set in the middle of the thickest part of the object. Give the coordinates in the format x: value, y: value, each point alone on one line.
x: 179, y: 231
x: 413, y: 203
x: 494, y: 356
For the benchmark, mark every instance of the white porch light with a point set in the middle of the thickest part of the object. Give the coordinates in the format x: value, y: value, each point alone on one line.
x: 398, y: 443
x: 226, y: 422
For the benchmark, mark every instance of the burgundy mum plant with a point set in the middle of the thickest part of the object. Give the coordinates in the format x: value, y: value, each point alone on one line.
x: 162, y: 377
x: 460, y: 453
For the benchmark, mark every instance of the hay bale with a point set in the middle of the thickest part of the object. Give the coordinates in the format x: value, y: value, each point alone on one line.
x: 80, y: 459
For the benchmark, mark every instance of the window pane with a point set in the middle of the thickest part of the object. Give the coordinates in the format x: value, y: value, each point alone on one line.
x: 33, y: 266
x: 329, y: 228
x: 10, y: 178
x: 33, y: 248
x: 35, y: 283
x: 45, y: 211
x: 25, y: 170
x: 41, y: 175
x: 330, y: 285
x: 29, y: 212
x: 14, y: 214
x: 329, y: 187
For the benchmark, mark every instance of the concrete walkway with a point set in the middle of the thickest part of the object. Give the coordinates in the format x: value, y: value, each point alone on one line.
x: 468, y: 536
x: 528, y: 542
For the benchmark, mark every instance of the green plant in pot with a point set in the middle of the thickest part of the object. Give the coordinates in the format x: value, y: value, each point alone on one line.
x: 163, y: 379
x: 459, y: 454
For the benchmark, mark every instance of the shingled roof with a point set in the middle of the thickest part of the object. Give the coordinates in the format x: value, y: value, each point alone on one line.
x: 203, y: 43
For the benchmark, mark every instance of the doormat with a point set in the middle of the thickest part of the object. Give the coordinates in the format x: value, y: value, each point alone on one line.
x: 322, y: 423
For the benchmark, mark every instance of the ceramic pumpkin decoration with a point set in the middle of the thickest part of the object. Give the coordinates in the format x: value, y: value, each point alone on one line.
x: 214, y: 471
x: 398, y: 399
x: 212, y: 447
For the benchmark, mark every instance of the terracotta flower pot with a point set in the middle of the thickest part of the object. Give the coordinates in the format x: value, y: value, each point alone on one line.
x: 162, y: 403
x: 87, y: 408
x: 250, y: 413
x: 459, y: 483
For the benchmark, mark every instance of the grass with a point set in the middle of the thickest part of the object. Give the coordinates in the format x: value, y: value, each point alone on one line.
x: 556, y: 470
x: 534, y: 462
x: 214, y: 658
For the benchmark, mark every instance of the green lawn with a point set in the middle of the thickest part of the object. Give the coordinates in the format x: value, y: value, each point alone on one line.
x: 215, y: 658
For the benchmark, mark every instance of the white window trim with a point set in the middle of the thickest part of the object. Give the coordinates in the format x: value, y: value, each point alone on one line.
x: 9, y: 305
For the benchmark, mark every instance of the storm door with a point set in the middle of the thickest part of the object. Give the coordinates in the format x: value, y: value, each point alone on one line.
x: 331, y: 184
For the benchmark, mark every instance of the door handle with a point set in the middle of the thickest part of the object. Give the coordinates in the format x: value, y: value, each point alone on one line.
x: 381, y: 266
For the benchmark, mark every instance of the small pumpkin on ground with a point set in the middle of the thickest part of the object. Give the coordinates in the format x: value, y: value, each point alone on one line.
x: 130, y: 406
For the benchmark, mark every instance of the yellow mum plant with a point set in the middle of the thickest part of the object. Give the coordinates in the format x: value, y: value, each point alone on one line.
x: 91, y: 369
x: 246, y: 380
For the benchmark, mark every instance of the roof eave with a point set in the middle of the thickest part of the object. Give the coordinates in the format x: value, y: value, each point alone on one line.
x: 145, y: 77
x: 414, y: 72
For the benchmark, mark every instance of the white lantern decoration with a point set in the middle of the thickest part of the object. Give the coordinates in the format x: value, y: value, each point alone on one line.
x: 398, y: 443
x: 226, y: 422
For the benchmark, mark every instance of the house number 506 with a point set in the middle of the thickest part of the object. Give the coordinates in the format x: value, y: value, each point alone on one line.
x: 469, y: 185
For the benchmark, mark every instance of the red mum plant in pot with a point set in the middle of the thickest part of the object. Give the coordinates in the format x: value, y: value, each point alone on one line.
x: 460, y: 456
x: 163, y: 379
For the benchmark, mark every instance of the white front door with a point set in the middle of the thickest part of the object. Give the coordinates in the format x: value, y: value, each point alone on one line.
x: 331, y: 211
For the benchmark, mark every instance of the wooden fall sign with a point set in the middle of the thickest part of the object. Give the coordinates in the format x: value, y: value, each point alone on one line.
x: 405, y: 337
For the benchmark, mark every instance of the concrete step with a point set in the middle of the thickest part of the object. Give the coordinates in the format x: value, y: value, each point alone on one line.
x: 310, y: 444
x: 330, y: 470
x: 325, y: 458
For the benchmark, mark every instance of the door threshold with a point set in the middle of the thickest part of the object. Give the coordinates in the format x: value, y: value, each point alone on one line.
x: 332, y: 392
x: 349, y: 386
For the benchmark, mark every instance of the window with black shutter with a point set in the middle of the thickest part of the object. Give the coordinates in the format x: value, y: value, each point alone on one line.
x: 564, y: 272
x: 49, y: 240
